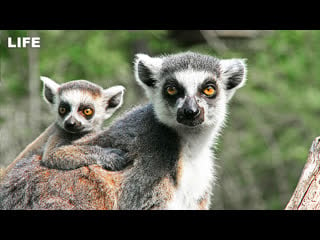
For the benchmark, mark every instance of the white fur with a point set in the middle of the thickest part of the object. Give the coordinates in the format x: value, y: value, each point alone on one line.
x: 197, y: 172
x: 191, y: 79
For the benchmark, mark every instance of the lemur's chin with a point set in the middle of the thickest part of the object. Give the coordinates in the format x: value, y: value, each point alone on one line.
x: 191, y: 123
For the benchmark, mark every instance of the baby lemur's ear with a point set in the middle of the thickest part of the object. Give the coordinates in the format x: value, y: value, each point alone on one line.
x: 50, y: 89
x: 113, y: 97
x: 233, y: 74
x: 146, y: 70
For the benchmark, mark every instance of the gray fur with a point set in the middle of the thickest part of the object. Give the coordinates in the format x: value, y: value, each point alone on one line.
x: 183, y: 61
x: 155, y: 149
x: 81, y: 85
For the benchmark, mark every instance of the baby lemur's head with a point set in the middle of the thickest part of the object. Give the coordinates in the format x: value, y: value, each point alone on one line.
x: 81, y: 106
x: 189, y: 90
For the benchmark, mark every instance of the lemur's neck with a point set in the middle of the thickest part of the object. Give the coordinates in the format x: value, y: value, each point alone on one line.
x: 200, y: 138
x: 195, y: 171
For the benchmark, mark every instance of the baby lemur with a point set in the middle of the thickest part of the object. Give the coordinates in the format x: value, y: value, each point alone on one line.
x: 80, y: 108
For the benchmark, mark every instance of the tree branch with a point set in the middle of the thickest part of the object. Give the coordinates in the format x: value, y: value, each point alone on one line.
x: 307, y: 193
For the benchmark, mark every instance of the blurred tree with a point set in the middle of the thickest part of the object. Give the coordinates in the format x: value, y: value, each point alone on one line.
x: 34, y: 84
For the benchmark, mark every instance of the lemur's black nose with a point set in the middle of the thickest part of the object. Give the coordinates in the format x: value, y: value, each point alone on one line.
x: 191, y: 113
x: 69, y: 124
x: 72, y: 125
x: 190, y: 108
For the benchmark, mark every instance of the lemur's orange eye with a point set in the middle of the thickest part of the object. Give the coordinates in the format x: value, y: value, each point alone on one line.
x: 209, y: 91
x: 88, y: 111
x: 172, y: 91
x: 62, y: 110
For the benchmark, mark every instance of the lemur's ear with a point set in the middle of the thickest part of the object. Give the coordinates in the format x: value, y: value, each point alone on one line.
x: 113, y: 97
x: 50, y: 89
x: 234, y: 74
x: 146, y: 69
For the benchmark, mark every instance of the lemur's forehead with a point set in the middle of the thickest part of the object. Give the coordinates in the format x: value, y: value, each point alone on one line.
x: 83, y: 86
x: 190, y: 61
x: 191, y: 79
x: 76, y: 97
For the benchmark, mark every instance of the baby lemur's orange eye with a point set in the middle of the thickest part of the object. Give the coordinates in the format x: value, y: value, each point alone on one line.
x: 209, y: 91
x: 172, y: 90
x: 88, y: 111
x: 62, y: 110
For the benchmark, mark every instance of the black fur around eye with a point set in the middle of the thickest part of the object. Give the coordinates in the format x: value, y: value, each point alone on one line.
x: 171, y: 91
x: 64, y: 108
x: 172, y: 87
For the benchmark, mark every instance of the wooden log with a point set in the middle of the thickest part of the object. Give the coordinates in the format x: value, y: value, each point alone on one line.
x: 307, y: 193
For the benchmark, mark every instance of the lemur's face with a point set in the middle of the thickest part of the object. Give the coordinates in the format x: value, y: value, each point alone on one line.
x: 188, y: 97
x: 81, y: 106
x: 78, y: 111
x: 190, y: 90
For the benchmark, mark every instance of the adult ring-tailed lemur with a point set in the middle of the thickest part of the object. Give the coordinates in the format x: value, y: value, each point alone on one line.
x: 168, y: 142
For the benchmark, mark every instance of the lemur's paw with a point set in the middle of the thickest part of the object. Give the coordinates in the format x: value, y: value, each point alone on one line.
x: 113, y: 160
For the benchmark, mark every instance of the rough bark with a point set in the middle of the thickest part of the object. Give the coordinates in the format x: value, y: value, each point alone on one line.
x: 31, y: 186
x: 307, y: 193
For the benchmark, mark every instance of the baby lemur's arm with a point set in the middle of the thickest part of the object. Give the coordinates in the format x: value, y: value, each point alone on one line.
x: 60, y: 154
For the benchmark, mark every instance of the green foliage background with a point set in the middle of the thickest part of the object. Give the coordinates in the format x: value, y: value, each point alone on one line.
x: 272, y: 120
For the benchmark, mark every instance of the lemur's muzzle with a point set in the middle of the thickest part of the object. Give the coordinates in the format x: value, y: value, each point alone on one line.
x: 190, y: 113
x: 73, y: 125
